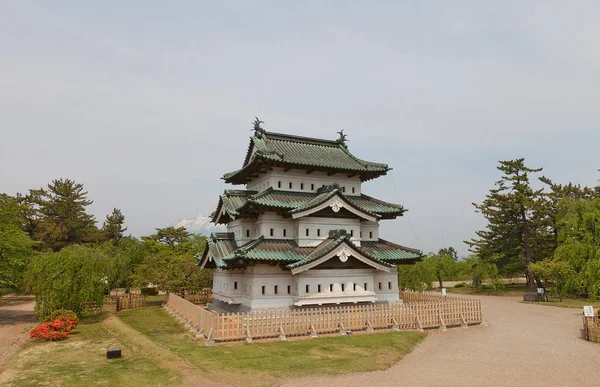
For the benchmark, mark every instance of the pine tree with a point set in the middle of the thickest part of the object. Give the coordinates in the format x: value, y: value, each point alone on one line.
x: 515, y: 235
x: 61, y: 215
x: 113, y: 226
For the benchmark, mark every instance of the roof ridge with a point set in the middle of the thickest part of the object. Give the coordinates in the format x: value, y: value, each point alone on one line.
x: 303, y: 139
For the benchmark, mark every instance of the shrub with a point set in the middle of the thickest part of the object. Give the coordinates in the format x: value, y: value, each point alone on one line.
x: 149, y: 291
x: 460, y: 285
x: 57, y: 326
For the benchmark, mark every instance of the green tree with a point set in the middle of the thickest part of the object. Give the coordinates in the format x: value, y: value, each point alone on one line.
x: 450, y: 252
x: 113, y: 226
x: 15, y: 245
x: 62, y: 219
x: 440, y: 266
x: 170, y: 236
x: 578, y: 223
x: 124, y: 257
x: 68, y: 279
x: 516, y: 233
x: 171, y: 271
x: 554, y: 273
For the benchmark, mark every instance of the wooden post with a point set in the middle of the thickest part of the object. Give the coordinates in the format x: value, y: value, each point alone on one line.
x: 342, y: 329
x: 313, y: 332
x: 419, y: 324
x: 395, y: 325
x: 442, y: 325
x: 464, y: 322
x: 282, y: 334
x: 248, y: 337
x: 209, y: 341
x: 369, y: 326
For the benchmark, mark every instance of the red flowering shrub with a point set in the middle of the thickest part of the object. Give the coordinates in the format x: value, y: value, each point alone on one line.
x: 56, y: 326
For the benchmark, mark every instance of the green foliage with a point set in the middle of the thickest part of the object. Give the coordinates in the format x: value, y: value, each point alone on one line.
x: 123, y: 257
x: 171, y: 263
x: 113, y: 226
x: 517, y: 232
x: 68, y: 279
x: 15, y: 246
x: 58, y: 215
x: 578, y: 222
x: 460, y: 285
x: 450, y: 252
x: 554, y: 273
x: 174, y: 238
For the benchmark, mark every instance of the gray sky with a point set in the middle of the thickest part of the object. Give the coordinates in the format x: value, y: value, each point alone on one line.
x: 148, y: 103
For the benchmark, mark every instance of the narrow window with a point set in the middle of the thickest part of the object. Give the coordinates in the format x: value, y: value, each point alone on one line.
x: 360, y: 234
x: 365, y: 287
x: 235, y: 285
x: 275, y: 289
x: 263, y: 289
x: 302, y: 186
x: 290, y: 185
x: 354, y: 287
x: 307, y: 232
x: 351, y: 233
x: 318, y: 232
x: 370, y: 234
x: 289, y: 289
x: 331, y: 287
x: 344, y: 189
x: 247, y: 233
x: 272, y: 232
x: 278, y: 184
x: 319, y: 288
x: 312, y: 187
x: 353, y: 190
x: 380, y: 286
x: 389, y: 285
x: 343, y: 287
x: 307, y: 288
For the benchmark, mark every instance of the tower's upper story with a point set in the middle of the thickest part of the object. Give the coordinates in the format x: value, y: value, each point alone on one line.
x: 302, y: 164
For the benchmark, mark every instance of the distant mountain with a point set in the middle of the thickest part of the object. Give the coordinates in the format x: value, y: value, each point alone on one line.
x: 198, y: 225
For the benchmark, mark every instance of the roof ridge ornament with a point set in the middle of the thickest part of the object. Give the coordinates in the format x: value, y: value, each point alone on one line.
x: 258, y: 130
x: 343, y: 138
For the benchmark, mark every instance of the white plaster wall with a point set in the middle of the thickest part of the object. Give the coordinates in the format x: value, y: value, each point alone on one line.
x: 385, y: 279
x: 336, y: 277
x: 369, y: 231
x: 270, y: 220
x: 239, y: 228
x: 313, y: 224
x: 303, y: 182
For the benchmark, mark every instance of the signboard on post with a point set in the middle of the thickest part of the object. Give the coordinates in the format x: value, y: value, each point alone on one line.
x: 540, y: 290
x: 588, y: 311
x: 443, y: 292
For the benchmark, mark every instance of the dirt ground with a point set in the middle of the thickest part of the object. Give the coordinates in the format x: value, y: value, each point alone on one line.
x: 16, y: 320
x: 524, y: 344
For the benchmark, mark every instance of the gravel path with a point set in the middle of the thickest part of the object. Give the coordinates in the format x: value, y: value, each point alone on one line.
x: 524, y: 344
x: 16, y: 320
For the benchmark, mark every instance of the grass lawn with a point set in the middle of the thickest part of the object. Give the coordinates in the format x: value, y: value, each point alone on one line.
x: 508, y: 290
x: 155, y: 300
x: 263, y: 362
x: 569, y: 303
x: 81, y: 360
x: 158, y: 351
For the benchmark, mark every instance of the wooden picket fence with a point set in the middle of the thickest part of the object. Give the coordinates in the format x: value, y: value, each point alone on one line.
x: 411, y: 296
x: 591, y: 328
x: 200, y: 319
x: 439, y: 313
x: 198, y: 296
x: 114, y: 304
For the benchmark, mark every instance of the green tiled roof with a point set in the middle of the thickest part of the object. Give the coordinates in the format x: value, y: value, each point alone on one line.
x: 244, y: 203
x: 223, y: 250
x: 388, y: 251
x: 277, y: 149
